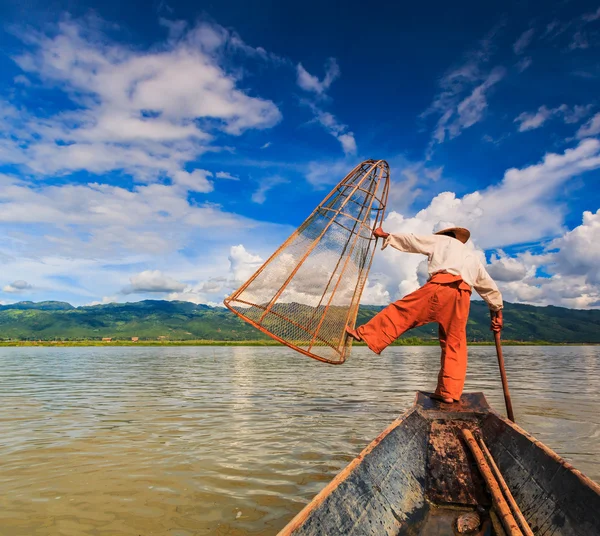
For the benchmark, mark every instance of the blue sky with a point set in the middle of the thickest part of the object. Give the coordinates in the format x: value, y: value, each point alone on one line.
x: 163, y: 150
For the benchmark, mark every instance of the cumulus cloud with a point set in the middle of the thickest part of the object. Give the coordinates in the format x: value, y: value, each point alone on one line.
x: 577, y: 252
x: 523, y: 41
x: 152, y: 281
x: 570, y: 263
x: 17, y: 287
x: 145, y: 112
x: 242, y: 264
x: 212, y: 290
x: 503, y: 268
x: 522, y: 208
x: 309, y: 82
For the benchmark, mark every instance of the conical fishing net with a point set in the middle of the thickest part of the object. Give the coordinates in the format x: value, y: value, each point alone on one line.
x: 309, y: 290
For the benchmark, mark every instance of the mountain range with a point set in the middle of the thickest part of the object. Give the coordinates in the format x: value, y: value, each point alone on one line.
x: 178, y: 320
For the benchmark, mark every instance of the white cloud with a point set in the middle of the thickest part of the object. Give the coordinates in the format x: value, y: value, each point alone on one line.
x: 21, y: 80
x: 590, y: 17
x: 504, y: 268
x: 459, y: 113
x: 375, y: 293
x: 524, y: 63
x: 523, y: 208
x: 571, y: 263
x: 268, y: 183
x: 523, y: 41
x: 326, y: 173
x: 462, y: 99
x: 591, y: 128
x: 153, y: 281
x: 266, y: 145
x: 348, y: 143
x: 578, y: 251
x: 226, y: 175
x: 577, y: 113
x: 212, y: 291
x: 17, y: 286
x: 99, y: 219
x: 580, y: 41
x: 104, y: 301
x: 530, y: 121
x: 327, y: 120
x: 242, y: 264
x: 338, y: 130
x: 194, y: 181
x: 146, y: 112
x: 309, y: 82
x: 471, y: 109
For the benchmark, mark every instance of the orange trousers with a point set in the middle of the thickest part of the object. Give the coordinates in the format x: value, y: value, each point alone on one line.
x: 444, y: 299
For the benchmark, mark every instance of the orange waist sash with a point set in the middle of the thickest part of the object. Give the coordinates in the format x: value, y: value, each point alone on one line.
x: 444, y: 278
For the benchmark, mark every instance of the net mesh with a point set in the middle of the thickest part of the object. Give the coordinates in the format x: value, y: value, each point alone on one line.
x: 309, y: 290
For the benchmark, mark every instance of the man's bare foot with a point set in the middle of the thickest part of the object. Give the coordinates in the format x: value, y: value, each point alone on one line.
x: 446, y: 399
x: 353, y: 333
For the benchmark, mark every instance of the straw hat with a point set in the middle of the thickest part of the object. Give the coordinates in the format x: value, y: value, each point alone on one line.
x: 461, y: 233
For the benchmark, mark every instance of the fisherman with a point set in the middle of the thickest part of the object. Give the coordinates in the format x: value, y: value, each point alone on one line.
x: 445, y: 298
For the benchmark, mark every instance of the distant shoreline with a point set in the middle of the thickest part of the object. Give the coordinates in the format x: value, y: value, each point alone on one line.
x: 408, y: 342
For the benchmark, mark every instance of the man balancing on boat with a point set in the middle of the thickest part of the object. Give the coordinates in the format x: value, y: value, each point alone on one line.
x: 453, y: 269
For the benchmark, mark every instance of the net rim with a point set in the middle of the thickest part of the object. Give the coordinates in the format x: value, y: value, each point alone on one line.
x: 288, y: 343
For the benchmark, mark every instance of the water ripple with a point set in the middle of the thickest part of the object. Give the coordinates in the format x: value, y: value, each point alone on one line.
x: 193, y: 441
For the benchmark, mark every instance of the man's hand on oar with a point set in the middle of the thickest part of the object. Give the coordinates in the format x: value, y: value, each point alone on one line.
x: 497, y: 321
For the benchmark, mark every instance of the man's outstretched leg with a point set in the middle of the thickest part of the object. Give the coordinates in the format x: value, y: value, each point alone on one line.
x: 386, y: 326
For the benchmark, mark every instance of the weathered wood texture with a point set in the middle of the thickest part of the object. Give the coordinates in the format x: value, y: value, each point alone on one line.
x: 379, y: 494
x: 390, y: 487
x: 500, y: 504
x: 555, y: 498
x: 516, y: 510
x: 452, y: 474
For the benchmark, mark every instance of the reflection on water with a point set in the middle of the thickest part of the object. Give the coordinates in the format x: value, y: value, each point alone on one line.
x: 192, y: 441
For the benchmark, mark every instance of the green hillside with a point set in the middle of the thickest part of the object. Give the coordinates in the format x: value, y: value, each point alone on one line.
x: 174, y: 320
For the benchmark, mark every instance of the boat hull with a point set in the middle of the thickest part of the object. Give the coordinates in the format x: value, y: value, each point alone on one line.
x: 417, y: 476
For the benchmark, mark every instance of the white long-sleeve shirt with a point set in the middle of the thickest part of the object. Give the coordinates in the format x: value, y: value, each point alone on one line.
x: 450, y: 255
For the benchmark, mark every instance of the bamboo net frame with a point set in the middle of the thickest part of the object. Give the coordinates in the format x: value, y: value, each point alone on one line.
x: 309, y: 290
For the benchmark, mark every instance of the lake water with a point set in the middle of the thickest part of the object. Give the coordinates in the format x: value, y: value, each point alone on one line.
x: 231, y: 441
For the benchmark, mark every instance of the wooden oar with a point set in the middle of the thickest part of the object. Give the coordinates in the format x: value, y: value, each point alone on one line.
x: 507, y: 401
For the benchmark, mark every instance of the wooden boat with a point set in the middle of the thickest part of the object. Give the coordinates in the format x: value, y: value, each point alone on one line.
x: 418, y: 476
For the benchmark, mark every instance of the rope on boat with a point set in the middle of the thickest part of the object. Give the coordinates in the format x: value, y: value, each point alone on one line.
x: 508, y: 520
x: 509, y: 497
